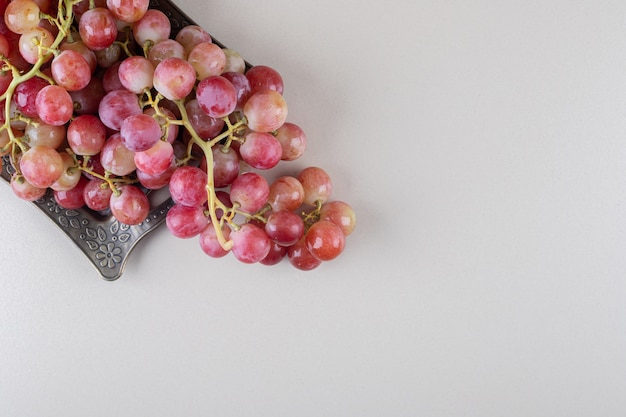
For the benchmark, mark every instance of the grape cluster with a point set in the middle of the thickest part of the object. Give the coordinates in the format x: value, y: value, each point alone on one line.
x: 102, y: 103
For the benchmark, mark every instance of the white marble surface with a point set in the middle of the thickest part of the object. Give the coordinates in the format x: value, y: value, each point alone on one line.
x: 483, y: 146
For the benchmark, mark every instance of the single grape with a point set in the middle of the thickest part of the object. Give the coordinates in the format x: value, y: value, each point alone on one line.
x: 130, y: 205
x: 116, y: 106
x: 300, y: 257
x: 340, y: 213
x: 155, y: 160
x: 275, y: 255
x: 325, y: 240
x: 41, y: 166
x: 20, y: 16
x: 286, y: 193
x: 87, y: 100
x: 154, y: 26
x: 128, y: 10
x: 156, y: 181
x: 80, y: 47
x: 25, y: 190
x: 261, y: 150
x: 86, y: 135
x: 234, y: 62
x: 216, y: 96
x: 111, y: 78
x: 136, y: 74
x: 186, y: 221
x: 284, y: 227
x: 54, y: 105
x: 167, y: 48
x: 317, y: 185
x: 70, y: 70
x: 225, y: 166
x: 207, y: 59
x: 97, y: 195
x: 292, y: 141
x: 250, y: 191
x: 262, y: 78
x: 250, y: 243
x: 72, y: 199
x: 206, y: 127
x: 174, y: 78
x: 30, y: 41
x: 265, y: 111
x: 209, y: 241
x: 43, y: 134
x: 117, y: 158
x: 97, y: 28
x: 188, y: 186
x: 140, y: 132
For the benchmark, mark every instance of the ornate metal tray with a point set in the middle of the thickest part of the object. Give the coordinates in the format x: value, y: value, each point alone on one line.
x: 106, y: 242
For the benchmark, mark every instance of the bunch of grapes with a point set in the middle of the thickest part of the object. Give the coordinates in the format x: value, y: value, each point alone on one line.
x: 101, y: 103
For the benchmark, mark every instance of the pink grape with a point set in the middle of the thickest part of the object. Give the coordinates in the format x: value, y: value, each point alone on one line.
x: 250, y: 243
x: 250, y: 191
x: 261, y: 150
x: 73, y: 198
x: 188, y: 186
x: 286, y: 193
x: 97, y: 195
x: 117, y: 158
x: 87, y: 100
x: 116, y: 106
x: 97, y: 28
x: 21, y: 16
x: 70, y: 175
x: 262, y: 78
x: 86, y: 135
x: 216, y: 96
x: 136, y: 74
x: 186, y: 221
x: 167, y: 48
x: 41, y: 166
x: 225, y: 166
x: 206, y: 127
x: 234, y: 62
x: 292, y: 141
x: 191, y: 35
x: 300, y: 257
x: 174, y: 78
x: 108, y: 56
x: 80, y: 47
x: 207, y: 59
x: 210, y: 243
x: 70, y: 70
x: 111, y: 78
x: 265, y: 111
x: 26, y: 93
x: 325, y: 240
x: 154, y: 26
x: 317, y: 185
x: 284, y: 227
x: 131, y: 206
x: 43, y: 134
x: 25, y: 190
x: 29, y: 41
x: 340, y: 213
x: 128, y: 10
x: 155, y: 160
x: 54, y: 105
x: 275, y: 255
x: 140, y: 132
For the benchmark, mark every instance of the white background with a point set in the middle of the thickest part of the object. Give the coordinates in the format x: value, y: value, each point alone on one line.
x: 482, y: 144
